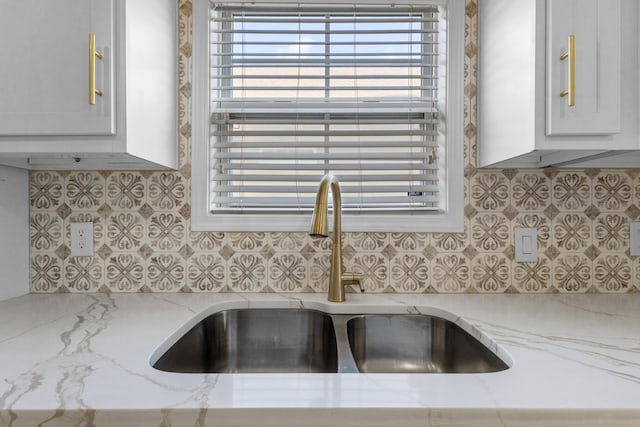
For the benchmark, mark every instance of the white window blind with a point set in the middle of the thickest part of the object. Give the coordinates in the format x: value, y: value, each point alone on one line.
x: 301, y: 90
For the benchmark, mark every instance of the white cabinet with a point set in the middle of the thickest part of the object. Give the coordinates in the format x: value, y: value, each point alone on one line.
x: 45, y: 72
x: 46, y: 118
x: 528, y: 76
x: 583, y: 67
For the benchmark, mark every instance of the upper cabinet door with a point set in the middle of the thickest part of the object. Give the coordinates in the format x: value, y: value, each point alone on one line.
x: 584, y: 65
x: 44, y: 78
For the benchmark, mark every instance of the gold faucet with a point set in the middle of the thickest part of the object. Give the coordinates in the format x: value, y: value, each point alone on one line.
x: 338, y: 278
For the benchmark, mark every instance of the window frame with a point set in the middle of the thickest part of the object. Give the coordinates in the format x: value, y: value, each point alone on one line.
x: 451, y: 219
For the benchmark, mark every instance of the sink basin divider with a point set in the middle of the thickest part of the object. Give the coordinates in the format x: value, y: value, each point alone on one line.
x: 346, y: 362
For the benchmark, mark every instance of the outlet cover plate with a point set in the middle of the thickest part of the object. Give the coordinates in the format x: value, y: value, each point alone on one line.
x: 526, y: 244
x: 82, y: 239
x: 634, y: 238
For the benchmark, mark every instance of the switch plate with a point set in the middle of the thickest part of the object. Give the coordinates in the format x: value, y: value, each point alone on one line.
x: 526, y: 245
x: 82, y: 239
x: 634, y: 238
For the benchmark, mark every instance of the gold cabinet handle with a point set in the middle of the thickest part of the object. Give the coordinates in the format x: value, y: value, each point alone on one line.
x: 570, y: 55
x: 92, y: 70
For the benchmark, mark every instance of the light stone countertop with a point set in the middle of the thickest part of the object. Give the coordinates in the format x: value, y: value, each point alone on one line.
x: 83, y: 360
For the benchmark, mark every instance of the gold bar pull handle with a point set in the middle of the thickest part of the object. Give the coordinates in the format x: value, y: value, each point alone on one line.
x: 570, y: 55
x: 92, y: 70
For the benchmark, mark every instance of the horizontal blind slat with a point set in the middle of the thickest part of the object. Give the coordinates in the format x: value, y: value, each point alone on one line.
x: 297, y: 8
x: 346, y: 190
x: 226, y: 43
x: 365, y: 103
x: 328, y: 156
x: 310, y: 200
x: 334, y: 133
x: 334, y: 144
x: 389, y: 165
x: 321, y: 19
x: 298, y: 177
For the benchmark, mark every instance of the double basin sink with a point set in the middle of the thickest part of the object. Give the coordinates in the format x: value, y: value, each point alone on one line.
x: 311, y: 341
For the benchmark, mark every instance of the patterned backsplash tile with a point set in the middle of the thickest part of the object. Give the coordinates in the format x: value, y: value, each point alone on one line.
x: 143, y: 240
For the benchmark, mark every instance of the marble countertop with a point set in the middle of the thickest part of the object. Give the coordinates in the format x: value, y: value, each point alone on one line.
x: 83, y: 360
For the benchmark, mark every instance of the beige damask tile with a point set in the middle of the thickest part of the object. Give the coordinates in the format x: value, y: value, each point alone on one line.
x: 451, y: 242
x: 491, y: 272
x: 571, y: 191
x: 185, y: 210
x: 470, y: 89
x: 612, y: 273
x: 490, y: 191
x: 126, y: 190
x: 450, y: 273
x: 635, y: 188
x: 572, y: 232
x: 374, y: 268
x: 46, y: 272
x: 288, y: 241
x: 247, y: 272
x: 611, y: 232
x: 206, y: 272
x: 165, y: 272
x: 319, y: 267
x: 247, y: 241
x: 288, y: 272
x: 45, y: 190
x: 125, y: 272
x: 205, y: 241
x: 323, y: 244
x: 84, y: 190
x: 533, y: 277
x: 125, y: 231
x: 490, y: 232
x: 531, y: 191
x: 410, y: 241
x: 612, y: 191
x: 166, y: 191
x: 410, y: 272
x: 367, y: 242
x: 45, y: 231
x: 185, y: 23
x: 572, y: 272
x: 83, y: 273
x: 166, y: 231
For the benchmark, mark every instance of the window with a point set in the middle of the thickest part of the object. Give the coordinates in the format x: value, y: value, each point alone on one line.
x: 285, y: 93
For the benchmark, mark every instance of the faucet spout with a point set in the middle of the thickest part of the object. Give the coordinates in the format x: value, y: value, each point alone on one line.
x: 338, y: 278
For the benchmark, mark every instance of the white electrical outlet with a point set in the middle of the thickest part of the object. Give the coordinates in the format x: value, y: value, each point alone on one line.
x: 81, y: 239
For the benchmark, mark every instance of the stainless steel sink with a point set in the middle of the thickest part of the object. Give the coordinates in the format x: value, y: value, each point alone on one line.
x: 417, y: 344
x: 310, y: 341
x: 256, y: 340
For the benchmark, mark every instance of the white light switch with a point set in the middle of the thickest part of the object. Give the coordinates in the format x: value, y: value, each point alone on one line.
x: 526, y: 245
x: 634, y: 238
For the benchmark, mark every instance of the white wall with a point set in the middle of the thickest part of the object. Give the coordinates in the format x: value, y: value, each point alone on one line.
x: 14, y: 232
